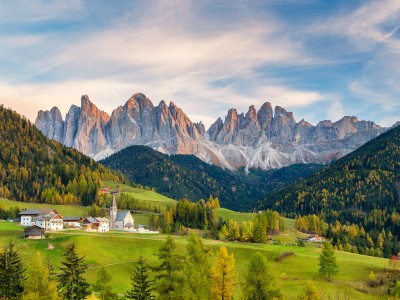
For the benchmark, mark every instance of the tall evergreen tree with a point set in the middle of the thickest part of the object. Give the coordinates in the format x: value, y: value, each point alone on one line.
x: 72, y: 284
x: 39, y: 283
x: 261, y: 280
x: 223, y: 275
x: 168, y: 277
x: 197, y: 270
x: 142, y: 286
x: 327, y: 261
x: 11, y: 273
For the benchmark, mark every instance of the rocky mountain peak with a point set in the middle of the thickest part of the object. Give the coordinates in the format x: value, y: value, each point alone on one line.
x: 264, y: 139
x: 252, y: 113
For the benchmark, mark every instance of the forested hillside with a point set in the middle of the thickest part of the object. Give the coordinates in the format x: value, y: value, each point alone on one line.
x: 36, y: 169
x: 359, y: 188
x: 186, y: 176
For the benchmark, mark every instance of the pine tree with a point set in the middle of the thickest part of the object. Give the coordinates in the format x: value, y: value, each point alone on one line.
x: 72, y: 284
x: 327, y: 261
x: 261, y: 280
x: 39, y: 283
x: 223, y: 275
x: 168, y: 277
x: 102, y: 285
x: 142, y: 286
x: 197, y: 270
x: 11, y: 273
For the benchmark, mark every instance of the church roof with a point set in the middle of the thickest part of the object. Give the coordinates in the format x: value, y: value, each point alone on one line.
x: 121, y: 215
x: 129, y: 224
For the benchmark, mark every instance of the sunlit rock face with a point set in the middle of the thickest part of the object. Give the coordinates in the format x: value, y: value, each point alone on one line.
x: 264, y: 139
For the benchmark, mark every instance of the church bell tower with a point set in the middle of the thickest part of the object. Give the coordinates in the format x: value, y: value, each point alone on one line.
x: 113, y: 212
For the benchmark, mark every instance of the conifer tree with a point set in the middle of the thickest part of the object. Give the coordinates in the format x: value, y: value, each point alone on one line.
x: 327, y: 261
x: 261, y: 280
x: 223, y: 275
x: 72, y: 284
x: 11, y: 273
x: 39, y: 284
x: 168, y: 277
x: 197, y: 270
x: 142, y: 286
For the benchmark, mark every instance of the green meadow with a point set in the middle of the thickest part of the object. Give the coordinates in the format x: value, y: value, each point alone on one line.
x: 65, y: 210
x: 117, y: 251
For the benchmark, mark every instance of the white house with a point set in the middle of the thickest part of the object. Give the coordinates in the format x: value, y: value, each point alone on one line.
x: 120, y: 220
x: 96, y: 224
x: 50, y: 222
x: 28, y: 216
x: 72, y: 222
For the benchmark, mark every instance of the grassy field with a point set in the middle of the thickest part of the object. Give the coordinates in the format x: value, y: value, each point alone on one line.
x: 117, y: 251
x: 141, y: 194
x: 65, y: 210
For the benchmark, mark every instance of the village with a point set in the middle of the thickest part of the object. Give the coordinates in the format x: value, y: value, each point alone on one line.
x: 39, y: 221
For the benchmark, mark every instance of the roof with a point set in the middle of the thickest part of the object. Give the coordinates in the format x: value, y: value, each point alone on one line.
x: 102, y: 219
x: 30, y: 228
x: 129, y: 224
x: 121, y: 215
x: 35, y: 211
x: 47, y: 217
x: 90, y: 220
x: 73, y: 218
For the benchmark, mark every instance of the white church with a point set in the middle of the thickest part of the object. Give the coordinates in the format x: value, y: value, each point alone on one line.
x: 120, y: 220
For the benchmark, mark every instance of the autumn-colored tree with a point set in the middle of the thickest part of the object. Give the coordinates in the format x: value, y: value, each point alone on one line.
x: 311, y: 292
x: 394, y: 262
x: 223, y: 275
x: 39, y: 283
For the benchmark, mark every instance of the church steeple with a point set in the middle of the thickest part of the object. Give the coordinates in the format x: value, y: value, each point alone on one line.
x: 113, y: 212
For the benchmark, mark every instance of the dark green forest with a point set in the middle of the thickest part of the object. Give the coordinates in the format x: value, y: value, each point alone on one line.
x: 357, y: 195
x: 36, y: 169
x: 186, y: 176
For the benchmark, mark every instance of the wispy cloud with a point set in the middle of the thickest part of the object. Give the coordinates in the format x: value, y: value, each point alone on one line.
x: 205, y: 56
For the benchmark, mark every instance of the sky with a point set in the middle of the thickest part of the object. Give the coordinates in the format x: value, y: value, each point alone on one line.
x: 318, y: 59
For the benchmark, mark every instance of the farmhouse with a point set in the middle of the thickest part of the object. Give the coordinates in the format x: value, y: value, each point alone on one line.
x: 96, y: 224
x: 72, y: 222
x: 50, y: 222
x: 33, y: 232
x: 28, y: 216
x: 120, y: 220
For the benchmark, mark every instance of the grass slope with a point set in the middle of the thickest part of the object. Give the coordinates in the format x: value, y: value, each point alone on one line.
x: 65, y: 210
x: 117, y: 251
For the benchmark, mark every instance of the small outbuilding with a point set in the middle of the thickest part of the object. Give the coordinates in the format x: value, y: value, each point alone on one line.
x: 34, y: 232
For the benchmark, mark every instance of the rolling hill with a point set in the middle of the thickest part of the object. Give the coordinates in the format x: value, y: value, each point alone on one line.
x: 34, y: 168
x: 186, y: 176
x: 359, y: 189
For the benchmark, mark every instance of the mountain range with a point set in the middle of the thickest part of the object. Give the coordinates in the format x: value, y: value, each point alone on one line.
x: 268, y: 138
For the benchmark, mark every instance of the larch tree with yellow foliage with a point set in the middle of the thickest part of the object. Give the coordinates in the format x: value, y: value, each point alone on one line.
x: 223, y: 275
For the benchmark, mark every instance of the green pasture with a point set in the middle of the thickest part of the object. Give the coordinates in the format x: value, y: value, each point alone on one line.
x: 117, y: 251
x: 65, y: 210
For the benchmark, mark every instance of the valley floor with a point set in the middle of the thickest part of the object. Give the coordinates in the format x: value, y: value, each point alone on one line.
x: 117, y: 251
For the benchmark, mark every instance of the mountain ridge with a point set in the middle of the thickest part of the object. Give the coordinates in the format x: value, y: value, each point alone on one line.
x: 263, y: 139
